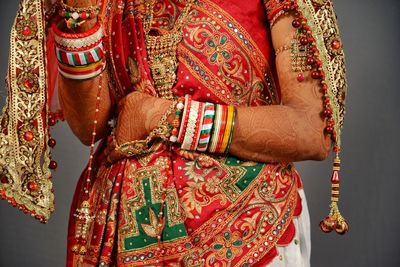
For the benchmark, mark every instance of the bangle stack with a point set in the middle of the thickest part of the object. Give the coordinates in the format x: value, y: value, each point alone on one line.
x: 76, y: 16
x: 80, y: 55
x: 206, y: 127
x: 177, y: 120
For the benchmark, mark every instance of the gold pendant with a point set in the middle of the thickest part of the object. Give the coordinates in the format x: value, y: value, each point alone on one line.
x: 83, y: 219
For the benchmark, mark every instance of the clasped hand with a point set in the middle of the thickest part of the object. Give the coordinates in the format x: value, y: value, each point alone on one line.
x: 138, y: 114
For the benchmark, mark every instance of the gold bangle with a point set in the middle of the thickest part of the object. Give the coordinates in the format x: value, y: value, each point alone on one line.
x: 228, y: 129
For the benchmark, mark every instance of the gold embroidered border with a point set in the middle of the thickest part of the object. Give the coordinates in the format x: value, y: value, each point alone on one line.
x: 24, y: 154
x: 324, y: 27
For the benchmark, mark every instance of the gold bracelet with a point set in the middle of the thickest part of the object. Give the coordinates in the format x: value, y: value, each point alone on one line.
x: 140, y: 147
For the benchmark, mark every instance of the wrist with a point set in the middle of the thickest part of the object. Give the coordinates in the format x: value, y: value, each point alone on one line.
x: 79, y: 16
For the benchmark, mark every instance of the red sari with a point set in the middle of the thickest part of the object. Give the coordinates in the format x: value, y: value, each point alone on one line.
x: 219, y: 210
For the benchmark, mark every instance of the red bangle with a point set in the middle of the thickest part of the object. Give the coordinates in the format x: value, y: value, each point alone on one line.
x: 80, y: 35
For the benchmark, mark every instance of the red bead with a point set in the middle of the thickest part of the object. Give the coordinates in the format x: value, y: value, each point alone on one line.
x: 329, y: 129
x: 27, y: 31
x: 327, y: 101
x: 336, y: 44
x: 296, y: 23
x: 32, y: 186
x: 174, y: 132
x: 322, y: 75
x: 310, y: 61
x: 28, y: 83
x: 313, y: 49
x: 327, y: 225
x: 4, y: 180
x: 333, y: 134
x: 324, y: 89
x: 28, y: 136
x: 311, y: 39
x: 300, y: 77
x: 286, y: 7
x: 304, y: 40
x: 327, y: 113
x: 52, y: 142
x: 335, y: 177
x: 62, y: 13
x: 52, y: 122
x: 315, y: 75
x: 53, y: 165
x: 84, y: 15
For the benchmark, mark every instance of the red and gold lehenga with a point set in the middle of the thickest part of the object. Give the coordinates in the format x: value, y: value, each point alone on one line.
x: 219, y: 210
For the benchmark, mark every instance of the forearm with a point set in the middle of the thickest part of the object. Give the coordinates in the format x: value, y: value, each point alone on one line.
x: 278, y: 133
x: 78, y: 98
x: 292, y: 131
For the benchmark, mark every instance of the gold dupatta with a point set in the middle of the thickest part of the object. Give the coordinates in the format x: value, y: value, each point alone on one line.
x: 25, y: 177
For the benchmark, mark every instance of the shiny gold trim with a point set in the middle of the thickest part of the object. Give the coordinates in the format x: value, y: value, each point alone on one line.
x: 325, y: 29
x: 24, y: 158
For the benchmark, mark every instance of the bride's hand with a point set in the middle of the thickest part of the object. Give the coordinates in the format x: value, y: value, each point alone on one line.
x: 138, y: 114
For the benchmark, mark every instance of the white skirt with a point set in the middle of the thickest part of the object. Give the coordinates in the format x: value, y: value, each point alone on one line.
x: 297, y: 253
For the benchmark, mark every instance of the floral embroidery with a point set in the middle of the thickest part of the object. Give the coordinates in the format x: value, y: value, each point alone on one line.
x: 228, y: 245
x: 219, y: 49
x: 212, y: 185
x: 217, y: 213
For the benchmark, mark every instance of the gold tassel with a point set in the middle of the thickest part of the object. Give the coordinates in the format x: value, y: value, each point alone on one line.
x: 335, y: 221
x: 83, y: 220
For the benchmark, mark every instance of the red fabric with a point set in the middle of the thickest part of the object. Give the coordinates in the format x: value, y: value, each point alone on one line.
x: 221, y: 210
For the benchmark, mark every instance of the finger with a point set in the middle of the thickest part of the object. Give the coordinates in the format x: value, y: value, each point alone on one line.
x: 114, y: 157
x: 110, y: 147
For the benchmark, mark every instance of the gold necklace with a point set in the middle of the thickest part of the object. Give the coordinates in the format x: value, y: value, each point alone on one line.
x: 162, y: 50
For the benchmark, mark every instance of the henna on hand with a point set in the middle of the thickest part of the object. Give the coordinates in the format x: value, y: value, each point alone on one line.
x: 139, y: 113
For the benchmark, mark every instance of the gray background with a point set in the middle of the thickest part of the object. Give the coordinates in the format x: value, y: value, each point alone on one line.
x: 370, y: 179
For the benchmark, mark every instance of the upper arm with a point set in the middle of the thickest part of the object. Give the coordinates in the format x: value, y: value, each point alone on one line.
x: 310, y: 61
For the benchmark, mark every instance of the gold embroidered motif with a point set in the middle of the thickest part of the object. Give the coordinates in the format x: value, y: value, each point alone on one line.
x: 325, y: 30
x: 24, y: 154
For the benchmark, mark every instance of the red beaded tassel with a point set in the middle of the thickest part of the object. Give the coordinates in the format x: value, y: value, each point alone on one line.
x: 335, y: 221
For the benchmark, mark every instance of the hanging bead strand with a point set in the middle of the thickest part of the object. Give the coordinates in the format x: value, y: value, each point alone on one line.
x: 83, y: 214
